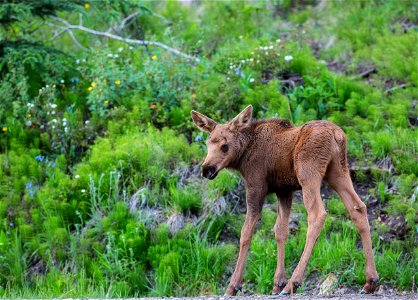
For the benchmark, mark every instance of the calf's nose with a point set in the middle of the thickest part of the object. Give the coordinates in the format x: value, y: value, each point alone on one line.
x: 209, y: 171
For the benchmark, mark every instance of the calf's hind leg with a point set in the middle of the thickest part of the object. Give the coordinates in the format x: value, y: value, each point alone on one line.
x: 281, y: 231
x: 341, y: 182
x: 316, y: 218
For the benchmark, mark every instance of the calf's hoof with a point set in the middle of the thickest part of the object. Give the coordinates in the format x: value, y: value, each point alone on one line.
x: 279, y: 287
x: 370, y: 286
x: 232, y: 290
x: 290, y: 288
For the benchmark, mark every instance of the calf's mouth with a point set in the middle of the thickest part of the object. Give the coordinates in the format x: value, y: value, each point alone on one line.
x: 210, y: 172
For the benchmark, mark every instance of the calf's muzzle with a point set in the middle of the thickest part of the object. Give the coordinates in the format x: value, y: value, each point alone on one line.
x: 209, y: 171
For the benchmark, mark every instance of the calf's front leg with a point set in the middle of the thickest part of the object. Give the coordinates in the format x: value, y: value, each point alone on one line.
x: 255, y: 200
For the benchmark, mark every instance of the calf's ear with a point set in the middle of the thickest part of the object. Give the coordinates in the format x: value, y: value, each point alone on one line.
x: 243, y: 119
x: 203, y: 122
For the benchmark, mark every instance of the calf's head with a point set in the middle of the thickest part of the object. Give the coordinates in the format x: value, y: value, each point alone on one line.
x: 225, y: 143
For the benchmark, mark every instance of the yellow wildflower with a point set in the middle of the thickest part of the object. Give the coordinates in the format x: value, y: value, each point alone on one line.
x: 87, y: 5
x: 154, y: 57
x: 90, y: 88
x: 194, y: 96
x: 93, y: 84
x: 117, y: 82
x: 106, y: 101
x: 29, y: 115
x: 4, y: 129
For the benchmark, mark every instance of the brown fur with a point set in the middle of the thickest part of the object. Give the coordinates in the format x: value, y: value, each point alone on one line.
x: 275, y: 157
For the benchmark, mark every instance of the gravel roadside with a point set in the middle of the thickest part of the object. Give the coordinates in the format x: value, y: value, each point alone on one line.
x: 294, y: 297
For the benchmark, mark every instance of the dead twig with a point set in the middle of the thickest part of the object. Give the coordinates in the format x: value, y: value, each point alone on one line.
x: 367, y: 72
x: 395, y: 88
x: 69, y: 27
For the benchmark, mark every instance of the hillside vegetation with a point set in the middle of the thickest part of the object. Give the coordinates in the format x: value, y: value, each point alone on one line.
x: 100, y: 192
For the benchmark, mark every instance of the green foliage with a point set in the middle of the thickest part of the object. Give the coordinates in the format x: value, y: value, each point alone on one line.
x: 394, y: 57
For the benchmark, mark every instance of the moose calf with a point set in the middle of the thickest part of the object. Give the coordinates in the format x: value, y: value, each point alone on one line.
x: 275, y: 157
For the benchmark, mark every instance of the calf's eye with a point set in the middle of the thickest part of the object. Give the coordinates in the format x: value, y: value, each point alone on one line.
x: 224, y: 148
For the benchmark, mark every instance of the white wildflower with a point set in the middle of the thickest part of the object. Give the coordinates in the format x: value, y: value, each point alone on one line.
x: 53, y: 126
x: 267, y: 53
x: 83, y: 190
x: 53, y: 112
x: 54, y: 121
x: 116, y: 55
x: 77, y: 61
x: 120, y: 49
x: 130, y: 47
x: 278, y: 40
x: 288, y: 57
x: 271, y: 47
x: 252, y: 80
x: 87, y: 122
x: 53, y: 105
x: 62, y: 81
x: 84, y: 60
x: 77, y: 176
x: 110, y: 55
x: 47, y: 86
x: 251, y: 59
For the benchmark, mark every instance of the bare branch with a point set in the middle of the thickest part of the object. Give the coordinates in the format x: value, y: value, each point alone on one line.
x: 404, y: 85
x: 63, y: 30
x: 123, y: 24
x: 71, y: 27
x: 128, y: 18
x: 367, y: 72
x: 76, y: 41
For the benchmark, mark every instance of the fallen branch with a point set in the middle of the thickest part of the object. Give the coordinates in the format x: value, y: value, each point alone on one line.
x: 367, y: 72
x: 369, y: 170
x: 69, y: 27
x: 395, y: 88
